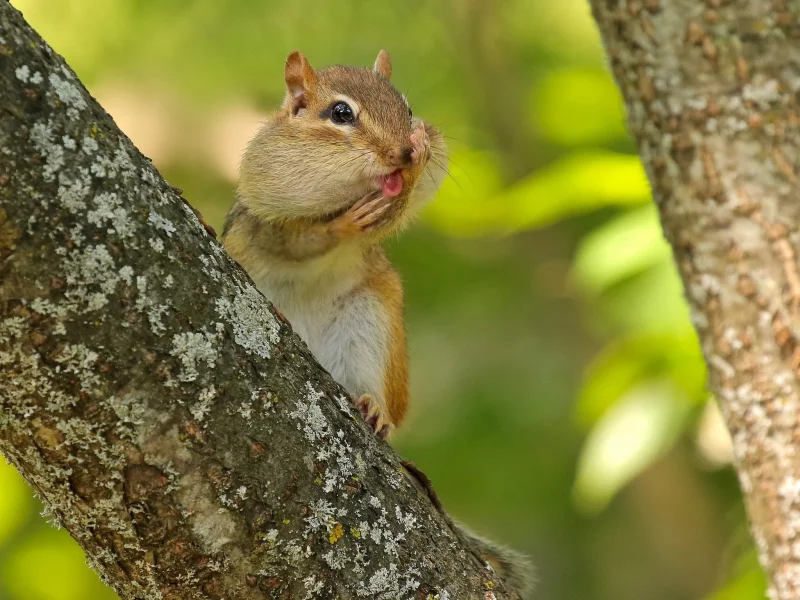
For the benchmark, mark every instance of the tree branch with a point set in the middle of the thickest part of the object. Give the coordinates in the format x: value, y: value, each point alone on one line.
x: 168, y: 418
x: 711, y: 94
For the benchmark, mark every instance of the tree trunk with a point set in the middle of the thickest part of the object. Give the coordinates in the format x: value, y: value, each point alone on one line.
x: 166, y: 415
x: 711, y: 89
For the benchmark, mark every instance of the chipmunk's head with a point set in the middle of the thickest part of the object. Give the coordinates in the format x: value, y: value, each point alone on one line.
x: 341, y: 133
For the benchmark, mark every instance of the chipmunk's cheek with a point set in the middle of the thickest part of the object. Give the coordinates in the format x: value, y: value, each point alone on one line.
x: 391, y: 184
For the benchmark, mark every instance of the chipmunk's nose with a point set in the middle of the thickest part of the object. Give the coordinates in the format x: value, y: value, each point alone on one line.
x: 402, y: 156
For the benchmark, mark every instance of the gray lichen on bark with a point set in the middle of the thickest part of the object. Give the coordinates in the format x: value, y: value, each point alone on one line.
x: 712, y: 95
x: 167, y: 417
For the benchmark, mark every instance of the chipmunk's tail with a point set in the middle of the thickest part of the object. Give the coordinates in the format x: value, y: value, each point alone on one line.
x: 513, y: 567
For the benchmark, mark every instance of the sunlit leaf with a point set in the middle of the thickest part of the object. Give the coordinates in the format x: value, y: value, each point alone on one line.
x: 57, y: 22
x: 623, y: 247
x: 748, y: 582
x: 712, y: 438
x: 628, y: 438
x: 578, y: 106
x: 652, y: 301
x: 564, y: 28
x: 472, y: 203
x: 56, y: 554
x: 636, y: 358
x: 466, y: 203
x: 15, y: 501
x: 612, y: 373
x: 580, y: 183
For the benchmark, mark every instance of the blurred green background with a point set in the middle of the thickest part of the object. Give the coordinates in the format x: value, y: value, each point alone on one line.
x: 558, y: 401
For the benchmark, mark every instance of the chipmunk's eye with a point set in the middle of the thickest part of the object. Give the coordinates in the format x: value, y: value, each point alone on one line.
x: 342, y: 114
x: 410, y: 113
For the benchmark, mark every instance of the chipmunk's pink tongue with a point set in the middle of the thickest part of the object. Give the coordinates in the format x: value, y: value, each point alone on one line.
x: 392, y: 184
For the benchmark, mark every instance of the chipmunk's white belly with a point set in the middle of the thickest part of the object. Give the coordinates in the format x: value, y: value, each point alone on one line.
x: 343, y: 323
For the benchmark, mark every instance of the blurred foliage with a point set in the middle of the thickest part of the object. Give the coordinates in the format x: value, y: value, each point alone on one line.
x: 559, y: 398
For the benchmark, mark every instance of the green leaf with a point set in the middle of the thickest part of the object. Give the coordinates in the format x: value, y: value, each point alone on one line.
x: 580, y: 183
x: 57, y: 555
x: 15, y: 501
x: 631, y: 435
x: 621, y: 248
x: 563, y: 29
x: 634, y: 359
x: 471, y: 201
x: 747, y: 583
x: 465, y: 204
x: 650, y: 302
x: 575, y: 106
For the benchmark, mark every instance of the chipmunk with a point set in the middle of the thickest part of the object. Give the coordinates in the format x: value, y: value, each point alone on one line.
x: 342, y: 165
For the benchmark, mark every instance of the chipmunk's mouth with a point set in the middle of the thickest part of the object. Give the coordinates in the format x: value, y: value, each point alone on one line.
x: 391, y: 184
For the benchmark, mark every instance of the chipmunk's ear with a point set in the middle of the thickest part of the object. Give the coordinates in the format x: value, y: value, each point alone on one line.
x: 383, y: 64
x: 301, y: 79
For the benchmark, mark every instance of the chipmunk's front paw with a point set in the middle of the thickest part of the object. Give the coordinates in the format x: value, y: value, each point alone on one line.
x: 373, y: 414
x: 365, y: 215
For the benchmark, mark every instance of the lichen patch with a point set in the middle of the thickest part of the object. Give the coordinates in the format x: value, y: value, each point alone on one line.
x: 194, y: 350
x: 254, y: 327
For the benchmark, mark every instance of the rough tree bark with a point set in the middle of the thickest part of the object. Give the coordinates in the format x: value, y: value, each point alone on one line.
x: 168, y: 418
x: 712, y: 95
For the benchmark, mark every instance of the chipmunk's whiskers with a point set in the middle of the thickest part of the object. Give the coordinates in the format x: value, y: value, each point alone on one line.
x: 436, y: 162
x: 338, y: 167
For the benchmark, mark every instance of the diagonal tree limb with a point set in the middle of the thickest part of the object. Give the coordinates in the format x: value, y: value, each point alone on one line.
x: 175, y: 426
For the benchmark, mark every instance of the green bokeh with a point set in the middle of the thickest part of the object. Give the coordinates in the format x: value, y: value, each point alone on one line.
x: 15, y: 505
x: 558, y: 391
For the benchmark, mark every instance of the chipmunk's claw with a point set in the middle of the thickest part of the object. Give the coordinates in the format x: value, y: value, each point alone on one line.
x: 365, y: 215
x: 373, y: 414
